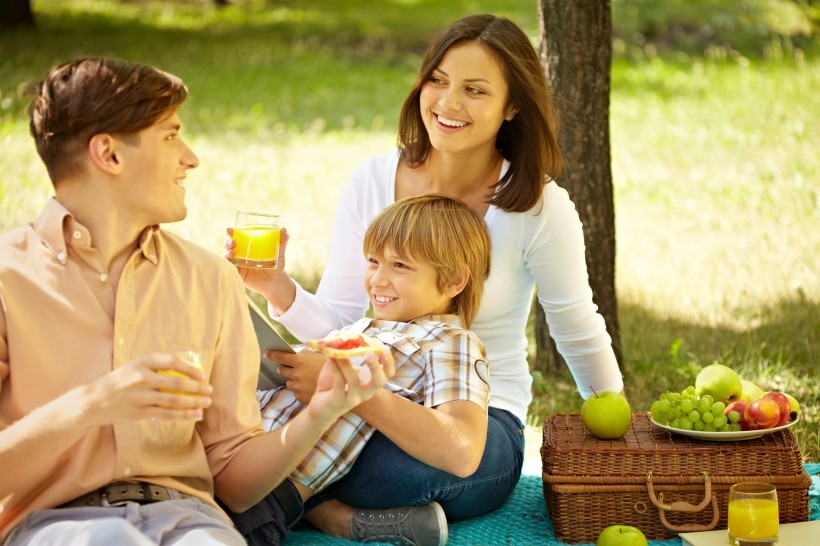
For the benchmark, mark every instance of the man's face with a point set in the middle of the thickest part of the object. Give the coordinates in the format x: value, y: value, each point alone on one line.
x: 155, y: 168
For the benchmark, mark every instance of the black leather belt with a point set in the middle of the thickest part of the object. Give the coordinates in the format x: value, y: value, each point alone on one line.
x: 118, y: 493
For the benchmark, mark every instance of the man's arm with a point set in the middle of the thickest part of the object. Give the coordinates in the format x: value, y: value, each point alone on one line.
x: 131, y: 393
x: 263, y: 461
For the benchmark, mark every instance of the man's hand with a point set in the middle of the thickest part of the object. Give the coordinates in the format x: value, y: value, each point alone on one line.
x: 342, y: 386
x: 138, y: 391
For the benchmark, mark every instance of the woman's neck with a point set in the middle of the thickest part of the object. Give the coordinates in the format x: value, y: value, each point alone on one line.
x: 470, y: 178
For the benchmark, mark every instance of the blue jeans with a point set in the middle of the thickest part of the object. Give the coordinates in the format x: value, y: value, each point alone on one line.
x: 384, y: 476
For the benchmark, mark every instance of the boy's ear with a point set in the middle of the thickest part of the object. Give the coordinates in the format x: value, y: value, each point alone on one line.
x: 457, y: 284
x: 103, y: 149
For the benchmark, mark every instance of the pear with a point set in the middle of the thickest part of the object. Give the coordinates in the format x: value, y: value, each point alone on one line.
x: 719, y: 381
x: 751, y: 392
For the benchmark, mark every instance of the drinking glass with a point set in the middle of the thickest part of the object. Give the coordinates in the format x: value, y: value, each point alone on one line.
x: 190, y: 357
x: 257, y: 240
x: 753, y: 514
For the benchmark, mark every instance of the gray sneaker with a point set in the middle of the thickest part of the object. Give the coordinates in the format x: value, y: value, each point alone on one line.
x: 407, y: 525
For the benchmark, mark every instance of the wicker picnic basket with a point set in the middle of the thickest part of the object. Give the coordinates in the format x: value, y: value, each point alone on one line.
x: 660, y: 482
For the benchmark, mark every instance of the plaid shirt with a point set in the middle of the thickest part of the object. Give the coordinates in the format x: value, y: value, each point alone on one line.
x: 437, y: 361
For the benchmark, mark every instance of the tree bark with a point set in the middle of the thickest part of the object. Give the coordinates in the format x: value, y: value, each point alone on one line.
x: 16, y: 13
x: 576, y: 52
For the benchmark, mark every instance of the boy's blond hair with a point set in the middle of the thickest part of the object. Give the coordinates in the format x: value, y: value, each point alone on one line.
x: 443, y: 232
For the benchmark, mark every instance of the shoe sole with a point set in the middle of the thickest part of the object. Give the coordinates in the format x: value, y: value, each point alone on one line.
x: 442, y: 523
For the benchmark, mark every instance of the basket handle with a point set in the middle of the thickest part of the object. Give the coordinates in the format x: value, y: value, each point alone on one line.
x: 692, y: 527
x: 681, y: 506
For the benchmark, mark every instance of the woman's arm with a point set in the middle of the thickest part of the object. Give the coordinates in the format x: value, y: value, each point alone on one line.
x: 578, y: 330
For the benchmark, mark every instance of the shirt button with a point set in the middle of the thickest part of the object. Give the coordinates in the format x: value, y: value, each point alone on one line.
x: 61, y: 257
x: 103, y: 277
x: 77, y: 234
x: 128, y: 471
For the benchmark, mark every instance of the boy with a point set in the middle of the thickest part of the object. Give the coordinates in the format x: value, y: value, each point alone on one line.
x: 95, y: 298
x: 428, y: 258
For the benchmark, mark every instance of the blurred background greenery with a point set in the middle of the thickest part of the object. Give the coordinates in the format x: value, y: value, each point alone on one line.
x: 715, y: 122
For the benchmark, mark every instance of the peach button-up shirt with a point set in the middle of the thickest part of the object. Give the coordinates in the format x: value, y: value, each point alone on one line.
x: 63, y: 325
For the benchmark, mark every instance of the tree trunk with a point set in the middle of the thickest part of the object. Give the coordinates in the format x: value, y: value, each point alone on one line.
x: 576, y: 52
x: 16, y: 13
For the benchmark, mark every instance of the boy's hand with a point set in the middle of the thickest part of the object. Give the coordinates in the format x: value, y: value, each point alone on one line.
x: 301, y: 370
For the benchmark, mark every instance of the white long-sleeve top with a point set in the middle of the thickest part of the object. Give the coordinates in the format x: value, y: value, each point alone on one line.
x: 542, y: 248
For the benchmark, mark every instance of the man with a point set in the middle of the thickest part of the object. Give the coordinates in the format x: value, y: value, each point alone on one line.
x: 94, y: 298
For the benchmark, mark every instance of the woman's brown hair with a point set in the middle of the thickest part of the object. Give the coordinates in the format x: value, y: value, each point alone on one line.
x: 529, y: 141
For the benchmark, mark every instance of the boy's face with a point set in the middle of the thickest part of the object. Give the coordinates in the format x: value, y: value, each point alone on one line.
x: 155, y: 169
x: 402, y: 289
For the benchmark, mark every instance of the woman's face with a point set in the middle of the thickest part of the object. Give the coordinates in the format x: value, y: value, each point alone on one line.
x: 464, y: 102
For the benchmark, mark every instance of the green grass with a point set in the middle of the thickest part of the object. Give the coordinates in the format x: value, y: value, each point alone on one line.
x: 715, y: 163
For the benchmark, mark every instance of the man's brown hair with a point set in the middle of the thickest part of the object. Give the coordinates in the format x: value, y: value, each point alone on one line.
x: 90, y: 96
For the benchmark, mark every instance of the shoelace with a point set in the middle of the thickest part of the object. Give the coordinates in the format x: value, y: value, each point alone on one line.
x: 384, y: 527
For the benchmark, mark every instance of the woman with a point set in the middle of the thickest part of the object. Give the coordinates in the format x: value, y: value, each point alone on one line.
x: 478, y: 125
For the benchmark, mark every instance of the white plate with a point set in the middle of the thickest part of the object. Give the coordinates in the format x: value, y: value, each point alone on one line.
x: 726, y: 436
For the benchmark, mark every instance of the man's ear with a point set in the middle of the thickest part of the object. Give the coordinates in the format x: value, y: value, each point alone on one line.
x: 103, y: 149
x: 457, y: 284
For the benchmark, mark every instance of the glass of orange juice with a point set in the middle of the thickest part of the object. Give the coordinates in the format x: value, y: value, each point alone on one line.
x: 257, y: 240
x: 190, y: 357
x: 753, y: 514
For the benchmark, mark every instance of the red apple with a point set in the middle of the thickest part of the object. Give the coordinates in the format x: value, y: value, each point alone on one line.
x: 783, y: 403
x: 762, y: 413
x: 740, y: 407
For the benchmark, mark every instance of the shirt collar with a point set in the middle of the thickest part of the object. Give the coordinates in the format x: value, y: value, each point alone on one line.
x: 59, y: 230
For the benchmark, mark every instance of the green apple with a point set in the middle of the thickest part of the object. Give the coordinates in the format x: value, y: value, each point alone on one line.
x: 751, y: 392
x: 719, y: 381
x: 606, y: 415
x: 621, y: 535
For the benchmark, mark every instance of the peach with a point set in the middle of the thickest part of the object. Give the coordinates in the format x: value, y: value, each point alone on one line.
x: 783, y: 403
x: 740, y: 407
x: 762, y: 413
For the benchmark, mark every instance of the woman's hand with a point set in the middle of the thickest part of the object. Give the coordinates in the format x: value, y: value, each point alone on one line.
x: 274, y: 284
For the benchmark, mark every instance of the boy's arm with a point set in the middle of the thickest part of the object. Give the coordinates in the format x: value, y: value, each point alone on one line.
x: 449, y: 431
x: 449, y: 437
x: 265, y: 460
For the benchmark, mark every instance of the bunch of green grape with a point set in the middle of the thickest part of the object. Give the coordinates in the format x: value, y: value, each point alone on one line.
x: 687, y: 411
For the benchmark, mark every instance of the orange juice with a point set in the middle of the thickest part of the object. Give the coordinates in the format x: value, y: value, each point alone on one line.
x: 190, y: 357
x: 753, y: 519
x: 256, y: 246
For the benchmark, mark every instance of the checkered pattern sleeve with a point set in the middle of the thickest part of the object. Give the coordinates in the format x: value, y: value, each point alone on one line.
x: 456, y: 369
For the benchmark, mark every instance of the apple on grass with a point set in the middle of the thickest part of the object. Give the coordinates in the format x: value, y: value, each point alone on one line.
x: 606, y: 415
x: 621, y: 535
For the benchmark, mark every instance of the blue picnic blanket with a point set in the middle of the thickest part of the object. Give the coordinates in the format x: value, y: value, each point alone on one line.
x: 523, y: 520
